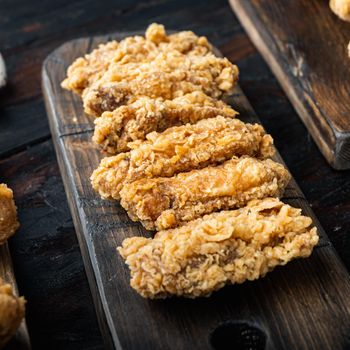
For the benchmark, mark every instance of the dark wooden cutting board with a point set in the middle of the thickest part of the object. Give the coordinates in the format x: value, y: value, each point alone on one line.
x: 305, y: 45
x: 305, y: 304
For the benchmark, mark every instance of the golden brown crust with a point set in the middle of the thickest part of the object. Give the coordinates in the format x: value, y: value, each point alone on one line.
x: 222, y: 248
x: 86, y: 70
x: 179, y: 149
x: 185, y: 42
x: 187, y: 147
x: 8, y: 214
x: 109, y: 177
x: 341, y: 8
x: 12, y: 310
x: 133, y: 122
x: 162, y: 203
x: 169, y: 75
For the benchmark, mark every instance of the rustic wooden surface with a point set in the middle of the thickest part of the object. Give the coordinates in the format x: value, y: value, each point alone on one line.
x: 45, y: 252
x: 310, y: 59
x: 102, y: 225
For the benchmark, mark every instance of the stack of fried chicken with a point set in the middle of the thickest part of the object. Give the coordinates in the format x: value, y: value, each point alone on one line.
x: 182, y: 164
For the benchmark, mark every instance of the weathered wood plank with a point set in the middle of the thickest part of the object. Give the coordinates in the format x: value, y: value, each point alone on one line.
x: 292, y: 306
x: 22, y: 125
x: 45, y: 252
x: 310, y: 60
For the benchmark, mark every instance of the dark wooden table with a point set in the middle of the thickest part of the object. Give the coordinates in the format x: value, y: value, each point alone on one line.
x: 46, y: 255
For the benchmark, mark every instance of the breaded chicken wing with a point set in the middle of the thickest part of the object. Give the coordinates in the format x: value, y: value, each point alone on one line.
x: 8, y: 214
x: 179, y: 149
x: 133, y: 122
x: 85, y: 70
x: 169, y: 75
x: 12, y: 310
x: 222, y: 248
x: 162, y: 203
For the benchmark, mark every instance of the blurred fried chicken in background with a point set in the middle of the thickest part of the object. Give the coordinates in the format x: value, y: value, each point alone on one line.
x: 8, y: 214
x: 12, y: 309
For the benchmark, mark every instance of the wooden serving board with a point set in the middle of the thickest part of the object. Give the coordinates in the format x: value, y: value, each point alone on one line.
x: 305, y: 45
x: 305, y: 304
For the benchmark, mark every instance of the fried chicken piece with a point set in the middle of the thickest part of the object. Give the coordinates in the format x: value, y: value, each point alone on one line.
x: 162, y: 203
x: 85, y: 70
x: 8, y: 214
x: 185, y: 42
x: 341, y: 8
x: 12, y: 310
x: 133, y: 122
x: 221, y: 248
x: 169, y: 75
x: 108, y: 179
x: 179, y: 149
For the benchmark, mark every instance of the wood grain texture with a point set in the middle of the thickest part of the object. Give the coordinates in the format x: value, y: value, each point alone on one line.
x: 45, y: 251
x: 46, y: 242
x: 305, y: 45
x: 307, y: 302
x: 27, y: 36
x: 20, y: 340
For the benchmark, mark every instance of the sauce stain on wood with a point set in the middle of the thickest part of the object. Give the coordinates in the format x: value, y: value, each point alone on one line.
x: 304, y: 304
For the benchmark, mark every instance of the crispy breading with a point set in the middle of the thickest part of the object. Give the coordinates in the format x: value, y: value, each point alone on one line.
x: 179, y: 149
x: 8, y: 214
x: 162, y: 203
x: 85, y: 70
x: 219, y: 249
x: 108, y: 179
x: 341, y: 8
x: 133, y: 122
x: 185, y: 42
x: 167, y: 76
x: 12, y: 310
